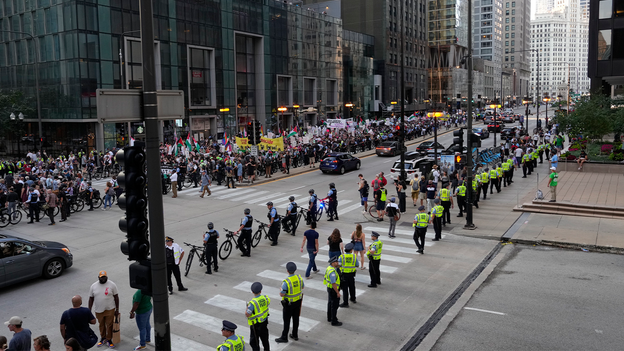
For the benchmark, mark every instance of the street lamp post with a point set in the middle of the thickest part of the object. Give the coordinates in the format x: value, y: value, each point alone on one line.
x: 21, y: 119
x: 495, y: 106
x: 36, y: 77
x: 296, y: 111
x: 223, y: 111
x: 526, y: 101
x: 435, y: 116
x: 348, y: 107
x: 281, y: 109
x: 546, y: 100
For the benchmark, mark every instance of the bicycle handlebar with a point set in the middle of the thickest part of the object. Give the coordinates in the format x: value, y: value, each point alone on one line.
x: 193, y: 246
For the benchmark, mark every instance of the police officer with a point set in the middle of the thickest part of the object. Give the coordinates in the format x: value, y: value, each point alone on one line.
x: 348, y: 266
x: 460, y: 193
x: 291, y: 215
x: 506, y: 170
x: 493, y: 179
x: 312, y: 204
x: 257, y: 314
x: 210, y: 245
x: 421, y: 221
x: 436, y: 215
x: 274, y: 228
x: 244, y: 240
x: 446, y: 198
x: 374, y: 259
x: 232, y: 342
x: 292, y: 297
x: 90, y: 193
x: 332, y: 281
x: 485, y: 181
x: 332, y: 208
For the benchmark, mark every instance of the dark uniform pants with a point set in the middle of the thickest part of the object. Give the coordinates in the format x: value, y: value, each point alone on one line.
x: 175, y: 269
x: 461, y: 203
x: 419, y: 237
x: 347, y: 285
x: 332, y: 209
x: 211, y: 257
x: 244, y: 242
x: 291, y: 310
x: 505, y: 178
x: 33, y: 211
x: 332, y: 305
x: 291, y: 223
x: 311, y: 216
x: 437, y: 227
x: 259, y: 332
x: 484, y: 188
x: 373, y: 270
x: 274, y: 231
x: 446, y: 214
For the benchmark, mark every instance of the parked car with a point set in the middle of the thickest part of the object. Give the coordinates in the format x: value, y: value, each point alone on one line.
x: 22, y: 259
x: 495, y: 127
x: 481, y: 132
x: 427, y: 147
x: 339, y: 162
x: 387, y: 148
x: 508, y: 133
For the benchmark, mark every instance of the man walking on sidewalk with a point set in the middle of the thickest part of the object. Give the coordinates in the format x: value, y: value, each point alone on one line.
x: 552, y: 183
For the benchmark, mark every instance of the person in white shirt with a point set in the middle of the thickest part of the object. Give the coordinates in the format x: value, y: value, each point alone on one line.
x: 104, y: 301
x: 174, y: 183
x: 391, y: 210
x: 173, y: 254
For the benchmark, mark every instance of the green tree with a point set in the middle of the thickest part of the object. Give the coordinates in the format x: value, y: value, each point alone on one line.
x: 14, y: 101
x: 592, y: 117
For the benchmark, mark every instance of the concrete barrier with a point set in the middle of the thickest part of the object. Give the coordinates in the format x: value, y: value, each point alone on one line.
x: 591, y: 167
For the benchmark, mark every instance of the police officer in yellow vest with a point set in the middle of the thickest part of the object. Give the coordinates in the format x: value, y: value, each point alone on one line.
x: 332, y: 281
x: 421, y: 221
x: 348, y: 263
x: 232, y: 342
x: 257, y: 314
x: 460, y: 193
x: 475, y: 191
x: 436, y: 215
x: 374, y: 259
x: 485, y: 181
x: 446, y: 199
x: 292, y: 297
x: 506, y: 171
x: 493, y: 179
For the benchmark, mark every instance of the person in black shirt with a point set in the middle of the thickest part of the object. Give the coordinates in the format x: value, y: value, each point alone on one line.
x: 11, y: 200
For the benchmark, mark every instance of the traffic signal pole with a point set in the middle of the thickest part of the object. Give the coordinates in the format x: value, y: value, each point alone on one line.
x: 162, y: 328
x: 402, y: 132
x: 469, y: 135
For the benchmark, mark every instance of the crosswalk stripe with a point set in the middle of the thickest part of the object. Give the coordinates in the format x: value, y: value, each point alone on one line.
x: 308, y: 302
x: 342, y: 211
x: 430, y: 233
x: 263, y: 198
x: 251, y: 195
x: 235, y: 193
x: 384, y: 268
x: 386, y: 257
x: 214, y: 325
x: 235, y: 305
x: 316, y: 285
x: 182, y: 343
x: 282, y: 200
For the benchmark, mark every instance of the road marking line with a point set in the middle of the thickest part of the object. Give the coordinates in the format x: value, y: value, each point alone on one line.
x: 250, y: 196
x: 430, y: 234
x: 309, y: 302
x: 235, y: 305
x: 263, y: 198
x: 214, y: 325
x: 299, y: 187
x: 182, y: 343
x: 235, y: 194
x: 312, y: 284
x: 389, y: 161
x: 386, y: 257
x: 349, y: 209
x: 486, y: 311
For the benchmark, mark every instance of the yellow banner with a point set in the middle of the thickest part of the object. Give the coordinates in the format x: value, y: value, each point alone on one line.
x: 266, y: 143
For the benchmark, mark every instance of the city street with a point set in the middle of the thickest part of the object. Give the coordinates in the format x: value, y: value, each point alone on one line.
x: 413, y: 285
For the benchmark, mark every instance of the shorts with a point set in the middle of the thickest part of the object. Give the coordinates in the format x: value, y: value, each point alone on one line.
x: 364, y: 200
x: 381, y: 205
x: 357, y: 246
x: 422, y: 196
x: 415, y: 196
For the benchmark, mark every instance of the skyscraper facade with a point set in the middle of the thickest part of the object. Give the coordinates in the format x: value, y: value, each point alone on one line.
x: 516, y: 29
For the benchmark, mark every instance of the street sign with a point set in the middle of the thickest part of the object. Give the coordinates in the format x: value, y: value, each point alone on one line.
x: 254, y: 150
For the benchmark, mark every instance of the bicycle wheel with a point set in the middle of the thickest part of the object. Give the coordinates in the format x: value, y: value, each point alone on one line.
x: 299, y: 215
x: 4, y: 220
x: 16, y: 217
x: 97, y: 176
x: 57, y: 210
x: 189, y: 261
x: 80, y: 204
x: 319, y: 214
x: 97, y: 202
x: 372, y: 211
x: 256, y: 238
x: 225, y: 250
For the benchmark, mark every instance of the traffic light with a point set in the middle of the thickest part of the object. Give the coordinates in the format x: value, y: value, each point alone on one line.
x: 475, y: 140
x: 460, y: 161
x: 399, y: 132
x: 256, y: 132
x: 458, y: 141
x: 250, y: 131
x: 134, y: 201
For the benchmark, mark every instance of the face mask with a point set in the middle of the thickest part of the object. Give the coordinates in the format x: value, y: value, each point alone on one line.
x: 103, y: 280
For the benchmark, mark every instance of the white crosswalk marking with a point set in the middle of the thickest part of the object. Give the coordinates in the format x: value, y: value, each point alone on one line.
x: 386, y: 257
x: 263, y: 199
x: 182, y: 343
x: 316, y: 284
x: 430, y: 233
x: 342, y: 211
x: 308, y: 302
x: 235, y: 193
x: 214, y: 325
x: 250, y: 195
x: 385, y: 269
x: 237, y: 305
x: 280, y: 203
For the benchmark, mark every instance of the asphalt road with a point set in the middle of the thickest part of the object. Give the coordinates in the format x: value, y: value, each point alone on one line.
x: 413, y: 285
x: 543, y: 298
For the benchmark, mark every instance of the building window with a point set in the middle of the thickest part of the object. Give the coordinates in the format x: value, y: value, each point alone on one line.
x: 506, y: 35
x: 506, y: 12
x: 506, y: 43
x: 513, y: 42
x: 507, y: 20
x: 507, y: 5
x: 513, y: 35
x: 200, y: 68
x: 513, y: 20
x: 284, y: 91
x: 507, y: 27
x: 513, y: 4
x: 513, y: 27
x: 331, y: 89
x: 309, y: 91
x: 134, y: 64
x: 513, y: 12
x: 512, y: 58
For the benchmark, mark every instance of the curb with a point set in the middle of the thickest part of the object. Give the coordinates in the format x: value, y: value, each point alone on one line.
x: 573, y: 246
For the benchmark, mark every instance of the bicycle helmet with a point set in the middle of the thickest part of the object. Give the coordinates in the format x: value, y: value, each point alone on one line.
x: 291, y: 198
x: 311, y: 191
x: 247, y: 211
x: 269, y: 203
x: 210, y: 225
x: 332, y: 185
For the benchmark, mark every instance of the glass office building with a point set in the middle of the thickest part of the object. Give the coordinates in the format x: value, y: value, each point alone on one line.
x: 235, y: 60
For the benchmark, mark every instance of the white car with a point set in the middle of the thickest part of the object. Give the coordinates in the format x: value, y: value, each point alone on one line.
x: 412, y: 167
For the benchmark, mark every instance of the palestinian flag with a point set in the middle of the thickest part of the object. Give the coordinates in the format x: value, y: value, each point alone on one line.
x: 196, y: 144
x: 292, y: 133
x: 189, y: 142
x: 179, y: 144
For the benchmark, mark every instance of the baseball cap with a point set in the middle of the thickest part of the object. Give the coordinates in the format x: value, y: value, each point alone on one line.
x: 15, y: 320
x: 102, y: 274
x: 553, y: 168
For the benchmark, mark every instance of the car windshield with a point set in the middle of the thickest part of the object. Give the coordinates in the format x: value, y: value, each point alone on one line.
x: 426, y: 144
x: 331, y: 158
x: 408, y: 165
x: 476, y: 130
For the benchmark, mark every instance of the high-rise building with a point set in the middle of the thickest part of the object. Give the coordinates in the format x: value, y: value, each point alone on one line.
x: 561, y: 36
x: 517, y: 46
x: 488, y: 43
x: 393, y: 24
x: 606, y: 56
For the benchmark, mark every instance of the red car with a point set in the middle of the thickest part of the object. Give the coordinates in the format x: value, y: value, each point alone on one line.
x: 495, y: 128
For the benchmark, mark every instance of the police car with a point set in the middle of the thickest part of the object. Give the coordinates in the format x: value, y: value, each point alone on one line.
x: 412, y: 165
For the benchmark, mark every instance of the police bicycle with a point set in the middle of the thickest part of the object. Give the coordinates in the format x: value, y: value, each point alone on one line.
x: 372, y: 211
x: 226, y: 248
x: 262, y: 228
x: 198, y: 251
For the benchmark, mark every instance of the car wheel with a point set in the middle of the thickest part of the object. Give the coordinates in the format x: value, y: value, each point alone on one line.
x: 342, y: 170
x: 324, y: 171
x: 357, y: 165
x: 53, y: 268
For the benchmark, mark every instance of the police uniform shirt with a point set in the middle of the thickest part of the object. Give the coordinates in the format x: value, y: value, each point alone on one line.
x: 211, y: 233
x: 332, y: 276
x: 273, y: 214
x: 234, y: 337
x: 291, y: 206
x: 285, y: 285
x: 312, y: 200
x: 330, y: 193
x: 245, y: 221
x: 357, y: 263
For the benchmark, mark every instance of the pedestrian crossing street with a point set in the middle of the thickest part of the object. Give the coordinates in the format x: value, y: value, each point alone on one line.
x: 230, y: 304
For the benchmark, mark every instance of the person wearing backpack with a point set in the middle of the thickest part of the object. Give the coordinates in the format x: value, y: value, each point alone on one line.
x: 415, y: 190
x: 364, y: 189
x: 380, y: 201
